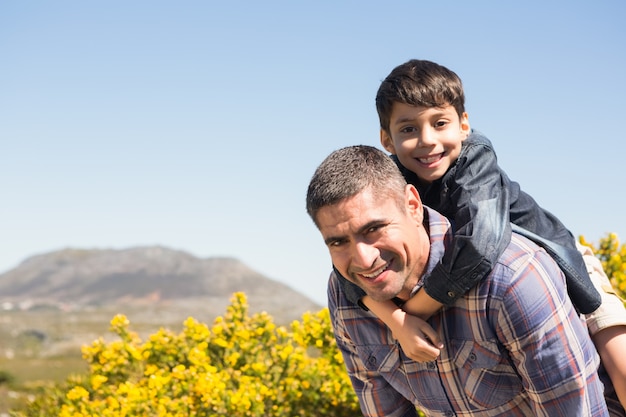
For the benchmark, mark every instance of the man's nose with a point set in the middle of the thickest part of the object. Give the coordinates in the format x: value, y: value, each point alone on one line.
x: 365, y: 254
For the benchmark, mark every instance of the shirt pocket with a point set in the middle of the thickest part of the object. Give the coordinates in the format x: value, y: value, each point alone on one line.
x: 383, y: 359
x: 485, y: 373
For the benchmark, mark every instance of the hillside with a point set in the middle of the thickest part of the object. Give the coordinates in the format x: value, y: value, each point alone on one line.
x: 79, y: 277
x: 70, y: 295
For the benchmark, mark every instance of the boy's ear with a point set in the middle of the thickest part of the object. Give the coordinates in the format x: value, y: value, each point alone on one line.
x: 387, y: 142
x: 465, y: 124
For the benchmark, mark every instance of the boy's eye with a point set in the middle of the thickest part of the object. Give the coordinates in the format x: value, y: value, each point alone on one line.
x: 440, y: 123
x: 408, y: 129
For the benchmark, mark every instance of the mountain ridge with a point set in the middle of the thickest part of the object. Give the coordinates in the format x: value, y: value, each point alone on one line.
x: 83, y: 278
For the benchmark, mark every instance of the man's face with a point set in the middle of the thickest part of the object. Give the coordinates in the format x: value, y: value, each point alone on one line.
x: 377, y: 245
x: 427, y: 140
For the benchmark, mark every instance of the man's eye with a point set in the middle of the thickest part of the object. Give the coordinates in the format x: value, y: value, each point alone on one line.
x: 336, y: 243
x: 375, y: 229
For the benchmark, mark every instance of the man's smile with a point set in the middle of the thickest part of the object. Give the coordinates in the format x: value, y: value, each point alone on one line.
x: 375, y: 274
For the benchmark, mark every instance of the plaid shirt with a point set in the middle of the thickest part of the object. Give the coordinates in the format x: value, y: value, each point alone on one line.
x: 514, y: 346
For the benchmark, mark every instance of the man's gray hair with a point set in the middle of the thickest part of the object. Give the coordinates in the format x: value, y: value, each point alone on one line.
x: 350, y: 170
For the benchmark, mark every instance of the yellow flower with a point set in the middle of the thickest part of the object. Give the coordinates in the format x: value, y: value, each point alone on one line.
x: 97, y: 381
x: 77, y: 393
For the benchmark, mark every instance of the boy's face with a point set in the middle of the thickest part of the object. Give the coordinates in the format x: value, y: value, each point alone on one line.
x: 374, y: 243
x: 427, y: 140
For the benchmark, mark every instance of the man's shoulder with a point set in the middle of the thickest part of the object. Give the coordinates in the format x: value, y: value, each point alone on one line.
x: 523, y: 271
x: 521, y: 251
x: 439, y: 226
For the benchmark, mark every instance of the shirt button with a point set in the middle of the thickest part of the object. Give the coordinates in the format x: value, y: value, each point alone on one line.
x: 449, y: 413
x: 431, y: 365
x: 472, y: 357
x: 371, y: 360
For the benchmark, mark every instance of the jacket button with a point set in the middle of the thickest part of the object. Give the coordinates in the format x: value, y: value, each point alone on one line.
x: 451, y: 294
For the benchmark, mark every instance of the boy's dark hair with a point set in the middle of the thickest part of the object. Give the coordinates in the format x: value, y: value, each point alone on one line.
x: 419, y: 83
x: 350, y: 170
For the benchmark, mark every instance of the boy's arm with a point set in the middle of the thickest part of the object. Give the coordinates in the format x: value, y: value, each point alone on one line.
x: 476, y: 197
x: 422, y: 305
x: 418, y: 339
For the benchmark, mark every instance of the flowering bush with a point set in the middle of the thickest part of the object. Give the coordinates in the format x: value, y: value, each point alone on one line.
x: 242, y: 366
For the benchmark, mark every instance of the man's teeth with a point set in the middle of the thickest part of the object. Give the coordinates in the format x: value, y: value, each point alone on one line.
x: 375, y: 273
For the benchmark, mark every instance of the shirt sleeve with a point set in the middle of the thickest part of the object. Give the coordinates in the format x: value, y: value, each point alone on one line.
x: 546, y: 340
x: 475, y: 196
x: 376, y: 397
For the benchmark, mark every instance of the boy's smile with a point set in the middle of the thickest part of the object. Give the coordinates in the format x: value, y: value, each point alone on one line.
x: 427, y: 140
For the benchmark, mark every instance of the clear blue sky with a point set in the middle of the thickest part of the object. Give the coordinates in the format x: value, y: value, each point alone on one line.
x: 196, y: 125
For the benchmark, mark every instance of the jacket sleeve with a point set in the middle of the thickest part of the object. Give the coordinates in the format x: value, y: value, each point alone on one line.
x: 475, y: 196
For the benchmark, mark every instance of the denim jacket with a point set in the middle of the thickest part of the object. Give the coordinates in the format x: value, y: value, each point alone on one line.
x: 485, y: 206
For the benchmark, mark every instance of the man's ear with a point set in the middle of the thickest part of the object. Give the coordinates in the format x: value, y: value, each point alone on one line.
x: 387, y: 142
x: 465, y: 124
x: 414, y: 203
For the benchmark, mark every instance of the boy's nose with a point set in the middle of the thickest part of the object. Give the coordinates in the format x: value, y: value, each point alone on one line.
x: 426, y: 138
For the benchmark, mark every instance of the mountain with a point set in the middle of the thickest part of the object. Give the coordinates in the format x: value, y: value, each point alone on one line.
x: 152, y: 277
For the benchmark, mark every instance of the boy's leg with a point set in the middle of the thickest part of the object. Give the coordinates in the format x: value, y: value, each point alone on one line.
x: 607, y: 325
x: 610, y: 343
x: 612, y: 311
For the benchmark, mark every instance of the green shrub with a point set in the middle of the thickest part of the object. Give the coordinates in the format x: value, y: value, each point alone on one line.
x: 6, y: 377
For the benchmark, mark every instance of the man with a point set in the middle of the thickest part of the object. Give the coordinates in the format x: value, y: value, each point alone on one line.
x: 513, y: 345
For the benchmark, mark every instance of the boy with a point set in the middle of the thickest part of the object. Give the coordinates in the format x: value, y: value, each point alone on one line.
x: 426, y: 129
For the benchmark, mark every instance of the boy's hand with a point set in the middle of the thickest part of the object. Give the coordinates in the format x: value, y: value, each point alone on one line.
x: 418, y: 340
